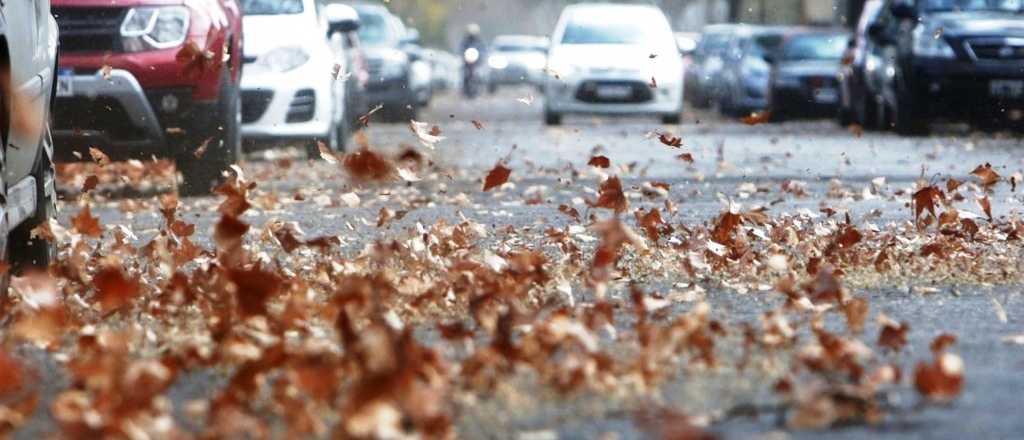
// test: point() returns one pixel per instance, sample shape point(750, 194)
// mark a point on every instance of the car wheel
point(201, 175)
point(906, 119)
point(672, 119)
point(551, 118)
point(28, 253)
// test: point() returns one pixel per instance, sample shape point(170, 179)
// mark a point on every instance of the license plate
point(826, 96)
point(1006, 88)
point(65, 82)
point(614, 92)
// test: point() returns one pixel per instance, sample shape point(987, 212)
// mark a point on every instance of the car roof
point(611, 8)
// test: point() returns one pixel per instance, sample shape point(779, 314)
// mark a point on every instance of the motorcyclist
point(474, 52)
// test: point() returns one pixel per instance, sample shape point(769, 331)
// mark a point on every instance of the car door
point(28, 30)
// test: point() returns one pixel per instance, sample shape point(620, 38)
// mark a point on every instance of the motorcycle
point(471, 77)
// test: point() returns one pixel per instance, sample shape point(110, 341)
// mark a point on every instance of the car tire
point(907, 121)
point(200, 176)
point(27, 253)
point(672, 119)
point(552, 119)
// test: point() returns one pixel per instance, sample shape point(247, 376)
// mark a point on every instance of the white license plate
point(1006, 88)
point(614, 92)
point(65, 83)
point(826, 96)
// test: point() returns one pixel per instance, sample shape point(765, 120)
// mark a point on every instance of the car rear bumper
point(801, 101)
point(582, 96)
point(117, 115)
point(390, 93)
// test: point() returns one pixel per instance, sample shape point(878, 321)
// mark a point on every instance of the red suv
point(151, 78)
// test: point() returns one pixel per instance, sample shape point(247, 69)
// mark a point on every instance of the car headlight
point(931, 44)
point(561, 69)
point(149, 28)
point(284, 59)
point(497, 62)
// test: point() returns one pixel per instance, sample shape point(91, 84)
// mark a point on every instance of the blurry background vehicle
point(860, 75)
point(804, 78)
point(517, 59)
point(954, 59)
point(288, 90)
point(385, 42)
point(421, 76)
point(601, 62)
point(701, 78)
point(746, 70)
point(27, 65)
point(135, 81)
point(445, 69)
point(687, 43)
point(342, 27)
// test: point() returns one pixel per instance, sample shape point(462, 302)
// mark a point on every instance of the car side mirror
point(903, 9)
point(343, 26)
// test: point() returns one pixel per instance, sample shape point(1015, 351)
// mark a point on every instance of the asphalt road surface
point(731, 161)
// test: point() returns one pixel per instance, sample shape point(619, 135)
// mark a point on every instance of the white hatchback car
point(292, 88)
point(613, 59)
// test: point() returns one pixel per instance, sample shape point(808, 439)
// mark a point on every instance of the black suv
point(954, 59)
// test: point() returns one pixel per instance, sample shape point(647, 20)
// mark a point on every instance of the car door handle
point(33, 88)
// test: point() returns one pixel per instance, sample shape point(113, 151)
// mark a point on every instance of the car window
point(271, 7)
point(607, 29)
point(814, 47)
point(973, 5)
point(762, 45)
point(375, 30)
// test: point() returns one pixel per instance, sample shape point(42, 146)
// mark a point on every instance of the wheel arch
point(5, 86)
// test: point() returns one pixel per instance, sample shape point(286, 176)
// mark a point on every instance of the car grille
point(255, 104)
point(997, 49)
point(639, 92)
point(374, 67)
point(84, 29)
point(303, 106)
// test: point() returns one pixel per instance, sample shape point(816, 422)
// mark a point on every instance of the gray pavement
point(866, 175)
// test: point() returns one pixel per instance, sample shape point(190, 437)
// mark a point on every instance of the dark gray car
point(805, 71)
point(744, 77)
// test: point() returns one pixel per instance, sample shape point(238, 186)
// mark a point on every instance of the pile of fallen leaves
point(399, 335)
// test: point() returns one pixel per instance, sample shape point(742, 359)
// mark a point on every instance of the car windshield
point(606, 29)
point(814, 47)
point(271, 7)
point(973, 5)
point(374, 30)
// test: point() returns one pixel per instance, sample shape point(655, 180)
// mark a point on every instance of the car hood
point(808, 68)
point(611, 56)
point(263, 32)
point(976, 23)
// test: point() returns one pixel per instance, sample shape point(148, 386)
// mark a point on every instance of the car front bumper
point(581, 95)
point(389, 92)
point(291, 105)
point(965, 89)
point(115, 114)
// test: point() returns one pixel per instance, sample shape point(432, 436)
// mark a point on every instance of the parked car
point(421, 75)
point(954, 59)
point(445, 69)
point(148, 78)
point(343, 28)
point(687, 43)
point(27, 65)
point(601, 62)
point(516, 60)
point(744, 77)
point(861, 75)
point(288, 90)
point(804, 78)
point(385, 38)
point(702, 76)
